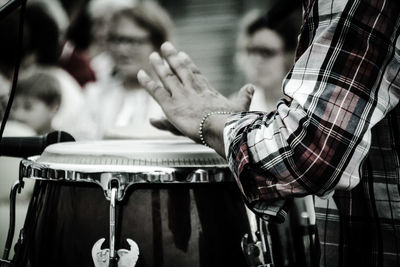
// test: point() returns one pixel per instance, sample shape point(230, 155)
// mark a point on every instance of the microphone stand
point(18, 185)
point(6, 9)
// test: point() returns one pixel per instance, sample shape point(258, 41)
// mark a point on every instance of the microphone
point(23, 147)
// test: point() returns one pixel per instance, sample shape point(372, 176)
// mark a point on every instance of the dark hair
point(287, 27)
point(41, 85)
point(43, 34)
point(8, 43)
point(151, 17)
point(79, 31)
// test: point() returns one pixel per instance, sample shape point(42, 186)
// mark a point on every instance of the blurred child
point(37, 100)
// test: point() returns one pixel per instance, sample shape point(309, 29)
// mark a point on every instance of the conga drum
point(132, 203)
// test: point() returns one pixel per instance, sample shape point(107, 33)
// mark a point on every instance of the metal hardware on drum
point(112, 223)
point(111, 257)
point(67, 174)
point(126, 176)
point(256, 247)
point(115, 185)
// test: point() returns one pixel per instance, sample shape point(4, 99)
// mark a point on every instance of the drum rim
point(125, 176)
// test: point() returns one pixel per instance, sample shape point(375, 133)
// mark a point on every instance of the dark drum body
point(132, 203)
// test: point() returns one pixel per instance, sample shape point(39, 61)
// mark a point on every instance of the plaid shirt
point(337, 138)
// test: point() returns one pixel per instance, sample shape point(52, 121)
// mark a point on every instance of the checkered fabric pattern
point(339, 135)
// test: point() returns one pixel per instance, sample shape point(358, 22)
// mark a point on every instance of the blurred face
point(265, 59)
point(130, 47)
point(99, 33)
point(33, 112)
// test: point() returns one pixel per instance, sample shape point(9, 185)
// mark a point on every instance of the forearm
point(317, 142)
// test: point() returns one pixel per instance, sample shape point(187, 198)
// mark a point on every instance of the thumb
point(244, 96)
point(165, 125)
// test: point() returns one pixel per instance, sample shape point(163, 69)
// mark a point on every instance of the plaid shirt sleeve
point(316, 143)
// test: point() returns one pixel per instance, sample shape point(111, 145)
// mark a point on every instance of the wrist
point(211, 130)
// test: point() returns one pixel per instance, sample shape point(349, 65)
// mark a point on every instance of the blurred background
point(207, 31)
point(67, 83)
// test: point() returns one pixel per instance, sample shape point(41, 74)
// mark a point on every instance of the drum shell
point(173, 224)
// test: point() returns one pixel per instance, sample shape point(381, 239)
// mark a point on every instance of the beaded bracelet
point(203, 120)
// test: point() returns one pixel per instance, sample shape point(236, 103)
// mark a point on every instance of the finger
point(199, 78)
point(244, 96)
point(164, 73)
point(185, 69)
point(179, 62)
point(189, 63)
point(196, 80)
point(165, 125)
point(159, 92)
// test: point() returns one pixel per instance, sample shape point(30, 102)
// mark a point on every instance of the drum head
point(163, 153)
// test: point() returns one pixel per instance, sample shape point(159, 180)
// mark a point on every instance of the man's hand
point(186, 96)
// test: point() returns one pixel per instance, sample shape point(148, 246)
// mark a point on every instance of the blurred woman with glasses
point(119, 105)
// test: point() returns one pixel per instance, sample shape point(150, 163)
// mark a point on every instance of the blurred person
point(84, 53)
point(57, 12)
point(74, 57)
point(73, 7)
point(100, 13)
point(37, 100)
point(40, 50)
point(119, 104)
point(42, 54)
point(8, 55)
point(73, 36)
point(123, 109)
point(265, 52)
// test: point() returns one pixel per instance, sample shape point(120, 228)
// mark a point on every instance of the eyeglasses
point(127, 40)
point(263, 52)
